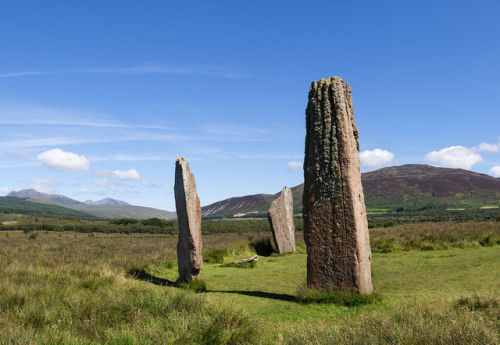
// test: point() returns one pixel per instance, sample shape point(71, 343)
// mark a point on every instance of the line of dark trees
point(240, 225)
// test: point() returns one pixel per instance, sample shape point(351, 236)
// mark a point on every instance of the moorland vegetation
point(435, 283)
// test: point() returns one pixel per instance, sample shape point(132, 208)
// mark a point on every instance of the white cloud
point(61, 160)
point(130, 175)
point(376, 158)
point(105, 182)
point(46, 182)
point(495, 171)
point(87, 191)
point(295, 165)
point(100, 181)
point(43, 185)
point(4, 190)
point(454, 157)
point(487, 147)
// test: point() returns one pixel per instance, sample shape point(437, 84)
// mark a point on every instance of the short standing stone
point(281, 220)
point(187, 203)
point(335, 224)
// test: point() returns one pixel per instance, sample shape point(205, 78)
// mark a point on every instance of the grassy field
point(438, 283)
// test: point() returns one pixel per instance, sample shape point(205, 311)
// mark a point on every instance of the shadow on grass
point(307, 296)
point(261, 294)
point(196, 285)
point(141, 274)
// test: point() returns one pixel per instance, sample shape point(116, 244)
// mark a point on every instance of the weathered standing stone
point(335, 224)
point(187, 204)
point(280, 217)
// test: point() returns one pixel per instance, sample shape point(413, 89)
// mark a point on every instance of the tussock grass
point(217, 255)
point(196, 285)
point(418, 324)
point(345, 298)
point(481, 303)
point(228, 254)
point(433, 236)
point(242, 264)
point(67, 290)
point(262, 246)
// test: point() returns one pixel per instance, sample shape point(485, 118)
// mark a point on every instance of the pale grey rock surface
point(187, 203)
point(280, 217)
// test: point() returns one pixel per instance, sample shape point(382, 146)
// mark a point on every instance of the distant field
point(73, 288)
point(371, 211)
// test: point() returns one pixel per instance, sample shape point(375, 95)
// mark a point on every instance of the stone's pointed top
point(181, 163)
point(328, 81)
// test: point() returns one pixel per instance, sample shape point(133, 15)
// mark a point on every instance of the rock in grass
point(249, 260)
point(280, 217)
point(335, 224)
point(187, 203)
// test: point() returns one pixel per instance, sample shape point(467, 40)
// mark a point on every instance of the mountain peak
point(33, 194)
point(411, 186)
point(106, 201)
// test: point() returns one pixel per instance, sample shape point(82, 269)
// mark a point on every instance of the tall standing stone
point(187, 204)
point(335, 224)
point(280, 217)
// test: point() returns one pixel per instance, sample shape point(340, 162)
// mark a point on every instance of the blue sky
point(99, 98)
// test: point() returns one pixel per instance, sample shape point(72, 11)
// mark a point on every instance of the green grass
point(242, 264)
point(371, 211)
point(349, 299)
point(70, 288)
point(196, 285)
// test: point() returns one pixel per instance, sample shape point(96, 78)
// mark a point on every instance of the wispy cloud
point(18, 153)
point(233, 129)
point(130, 175)
point(487, 147)
point(295, 165)
point(43, 185)
point(16, 165)
point(88, 191)
point(39, 115)
point(56, 141)
point(216, 71)
point(131, 158)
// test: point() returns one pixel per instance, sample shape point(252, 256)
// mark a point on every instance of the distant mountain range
point(411, 187)
point(106, 201)
point(105, 208)
point(38, 208)
point(55, 198)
